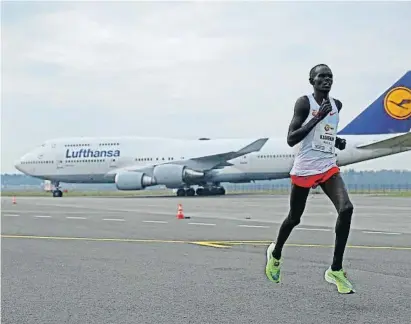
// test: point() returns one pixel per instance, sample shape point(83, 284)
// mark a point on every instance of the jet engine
point(170, 175)
point(132, 180)
point(174, 175)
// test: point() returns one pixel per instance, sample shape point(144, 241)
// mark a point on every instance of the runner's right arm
point(297, 132)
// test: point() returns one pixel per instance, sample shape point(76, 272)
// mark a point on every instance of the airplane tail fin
point(389, 114)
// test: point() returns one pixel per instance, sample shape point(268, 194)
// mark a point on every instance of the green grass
point(393, 193)
point(170, 192)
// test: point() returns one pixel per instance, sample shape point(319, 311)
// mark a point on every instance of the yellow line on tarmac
point(216, 244)
point(264, 243)
point(241, 242)
point(211, 244)
point(404, 248)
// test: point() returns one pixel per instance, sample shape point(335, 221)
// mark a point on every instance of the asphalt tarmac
point(130, 260)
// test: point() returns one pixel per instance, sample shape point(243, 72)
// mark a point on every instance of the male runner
point(314, 127)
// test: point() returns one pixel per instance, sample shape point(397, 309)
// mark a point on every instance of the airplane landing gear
point(185, 192)
point(57, 192)
point(210, 191)
point(201, 191)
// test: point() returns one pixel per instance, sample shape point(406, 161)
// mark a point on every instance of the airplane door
point(245, 163)
point(59, 158)
point(59, 164)
point(244, 166)
point(245, 160)
point(113, 163)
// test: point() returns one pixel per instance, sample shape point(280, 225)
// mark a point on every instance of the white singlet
point(315, 154)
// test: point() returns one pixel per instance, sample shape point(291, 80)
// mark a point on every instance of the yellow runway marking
point(212, 244)
point(216, 244)
point(265, 243)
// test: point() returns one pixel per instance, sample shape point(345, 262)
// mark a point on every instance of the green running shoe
point(273, 266)
point(339, 278)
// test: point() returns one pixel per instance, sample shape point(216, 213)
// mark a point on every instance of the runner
point(314, 127)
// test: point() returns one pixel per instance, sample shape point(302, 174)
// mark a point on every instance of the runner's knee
point(346, 210)
point(294, 217)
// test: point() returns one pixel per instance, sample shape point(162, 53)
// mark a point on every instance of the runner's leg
point(298, 200)
point(335, 189)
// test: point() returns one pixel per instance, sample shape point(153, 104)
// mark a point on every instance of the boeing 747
point(135, 163)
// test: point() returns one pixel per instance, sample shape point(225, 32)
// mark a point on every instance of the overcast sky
point(189, 69)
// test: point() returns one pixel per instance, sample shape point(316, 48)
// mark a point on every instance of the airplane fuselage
point(94, 160)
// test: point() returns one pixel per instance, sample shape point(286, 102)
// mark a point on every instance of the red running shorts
point(314, 180)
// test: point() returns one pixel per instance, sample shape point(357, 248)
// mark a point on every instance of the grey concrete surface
point(138, 264)
point(371, 213)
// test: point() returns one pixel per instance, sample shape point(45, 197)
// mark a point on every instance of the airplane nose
point(17, 165)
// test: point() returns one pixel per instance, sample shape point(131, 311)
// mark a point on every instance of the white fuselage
point(70, 160)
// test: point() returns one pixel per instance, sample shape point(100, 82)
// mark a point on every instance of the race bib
point(324, 137)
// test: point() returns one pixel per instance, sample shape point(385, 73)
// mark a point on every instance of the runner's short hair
point(311, 76)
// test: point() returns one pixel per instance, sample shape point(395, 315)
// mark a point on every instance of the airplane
point(136, 163)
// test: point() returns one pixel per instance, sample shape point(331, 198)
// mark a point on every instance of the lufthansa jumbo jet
point(135, 163)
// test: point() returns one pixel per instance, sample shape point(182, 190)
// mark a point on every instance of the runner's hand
point(324, 110)
point(340, 143)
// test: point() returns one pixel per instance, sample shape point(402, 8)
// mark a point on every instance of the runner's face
point(323, 79)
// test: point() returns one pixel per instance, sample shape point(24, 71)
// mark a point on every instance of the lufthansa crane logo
point(397, 103)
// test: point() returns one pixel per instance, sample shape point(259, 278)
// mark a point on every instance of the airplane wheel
point(57, 193)
point(221, 191)
point(212, 191)
point(206, 192)
point(190, 192)
point(181, 192)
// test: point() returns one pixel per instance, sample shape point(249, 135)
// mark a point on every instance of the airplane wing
point(203, 163)
point(403, 141)
point(221, 160)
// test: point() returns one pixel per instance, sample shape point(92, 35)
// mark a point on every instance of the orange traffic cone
point(14, 200)
point(180, 214)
